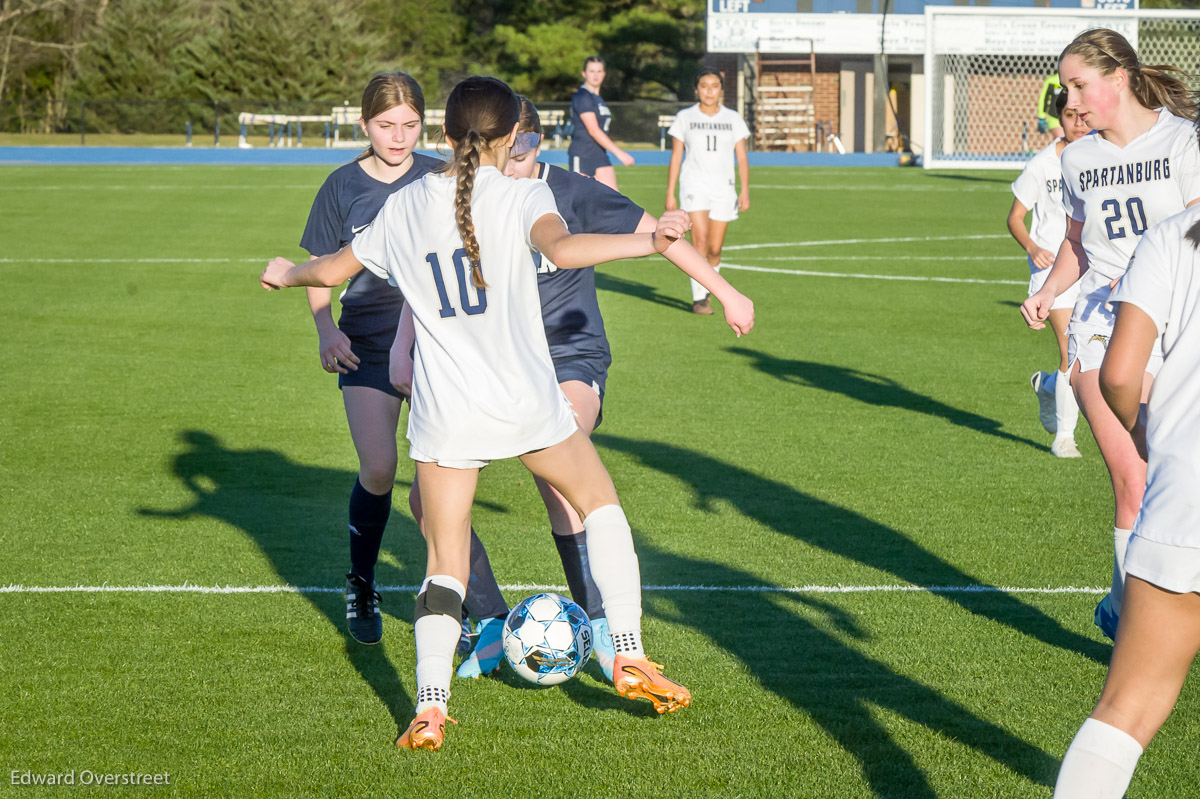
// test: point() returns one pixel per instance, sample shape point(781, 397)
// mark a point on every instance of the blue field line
point(191, 588)
point(259, 156)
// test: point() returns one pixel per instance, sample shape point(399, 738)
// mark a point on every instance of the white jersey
point(1039, 188)
point(709, 143)
point(484, 386)
point(1164, 281)
point(1119, 193)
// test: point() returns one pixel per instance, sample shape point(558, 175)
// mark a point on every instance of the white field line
point(1012, 258)
point(189, 588)
point(860, 276)
point(888, 240)
point(178, 187)
point(263, 259)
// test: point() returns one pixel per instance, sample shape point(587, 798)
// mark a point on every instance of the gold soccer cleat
point(638, 678)
point(425, 731)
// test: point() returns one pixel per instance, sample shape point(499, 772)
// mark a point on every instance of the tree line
point(287, 51)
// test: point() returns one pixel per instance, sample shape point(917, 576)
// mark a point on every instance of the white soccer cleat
point(1065, 448)
point(1045, 400)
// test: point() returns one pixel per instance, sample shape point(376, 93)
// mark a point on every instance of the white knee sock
point(1066, 410)
point(1098, 764)
point(698, 291)
point(615, 571)
point(437, 636)
point(1120, 544)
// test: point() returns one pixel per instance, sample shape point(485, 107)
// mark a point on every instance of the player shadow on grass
point(847, 534)
point(641, 291)
point(874, 390)
point(295, 513)
point(779, 639)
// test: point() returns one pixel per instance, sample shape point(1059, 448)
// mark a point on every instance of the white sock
point(1098, 764)
point(698, 291)
point(1066, 410)
point(1120, 544)
point(614, 566)
point(437, 636)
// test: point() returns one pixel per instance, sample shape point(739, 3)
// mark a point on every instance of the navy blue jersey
point(570, 311)
point(582, 143)
point(347, 202)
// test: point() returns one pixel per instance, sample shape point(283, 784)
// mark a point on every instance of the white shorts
point(417, 455)
point(1089, 349)
point(1037, 279)
point(1169, 567)
point(721, 202)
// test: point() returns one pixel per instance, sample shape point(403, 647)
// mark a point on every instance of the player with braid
point(581, 355)
point(1141, 168)
point(458, 245)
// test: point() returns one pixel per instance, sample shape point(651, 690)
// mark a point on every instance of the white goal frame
point(1026, 42)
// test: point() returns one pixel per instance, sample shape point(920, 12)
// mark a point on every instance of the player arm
point(743, 167)
point(592, 125)
point(400, 362)
point(1125, 359)
point(333, 346)
point(739, 310)
point(567, 251)
point(327, 270)
point(673, 173)
point(1071, 261)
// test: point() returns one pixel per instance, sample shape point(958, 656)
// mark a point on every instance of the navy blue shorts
point(593, 374)
point(372, 371)
point(587, 163)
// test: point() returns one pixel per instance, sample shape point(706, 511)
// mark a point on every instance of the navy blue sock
point(572, 550)
point(368, 518)
point(484, 599)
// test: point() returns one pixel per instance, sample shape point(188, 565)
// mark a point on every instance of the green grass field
point(165, 422)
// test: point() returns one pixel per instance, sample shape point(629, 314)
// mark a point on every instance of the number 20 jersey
point(1119, 193)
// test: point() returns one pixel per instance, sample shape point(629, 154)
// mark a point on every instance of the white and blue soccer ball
point(547, 638)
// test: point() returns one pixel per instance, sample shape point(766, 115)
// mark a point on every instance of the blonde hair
point(1153, 86)
point(385, 91)
point(479, 111)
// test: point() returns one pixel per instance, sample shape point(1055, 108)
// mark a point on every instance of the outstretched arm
point(567, 251)
point(592, 125)
point(739, 310)
point(328, 270)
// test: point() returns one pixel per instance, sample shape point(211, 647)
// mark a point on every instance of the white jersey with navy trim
point(1119, 193)
point(1039, 188)
point(709, 143)
point(1164, 281)
point(484, 387)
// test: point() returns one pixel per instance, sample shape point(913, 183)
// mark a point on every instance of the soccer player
point(356, 347)
point(1049, 115)
point(712, 135)
point(1039, 189)
point(458, 246)
point(581, 356)
point(1159, 634)
point(590, 118)
point(1142, 167)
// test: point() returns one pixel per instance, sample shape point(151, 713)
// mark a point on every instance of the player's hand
point(625, 158)
point(275, 275)
point(671, 204)
point(400, 370)
point(739, 312)
point(336, 355)
point(1042, 259)
point(671, 226)
point(744, 201)
point(1035, 309)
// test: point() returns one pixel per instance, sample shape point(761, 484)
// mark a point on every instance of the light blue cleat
point(1106, 619)
point(489, 649)
point(602, 647)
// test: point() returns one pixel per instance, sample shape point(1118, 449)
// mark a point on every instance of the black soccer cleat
point(362, 610)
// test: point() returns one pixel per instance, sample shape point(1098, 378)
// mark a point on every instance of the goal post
point(985, 66)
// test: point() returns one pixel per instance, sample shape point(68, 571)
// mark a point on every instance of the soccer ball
point(547, 638)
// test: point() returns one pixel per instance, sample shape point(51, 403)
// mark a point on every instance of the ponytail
point(466, 162)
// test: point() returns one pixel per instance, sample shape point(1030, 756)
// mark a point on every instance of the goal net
point(984, 70)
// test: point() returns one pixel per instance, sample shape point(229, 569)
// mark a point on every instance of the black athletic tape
point(438, 600)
